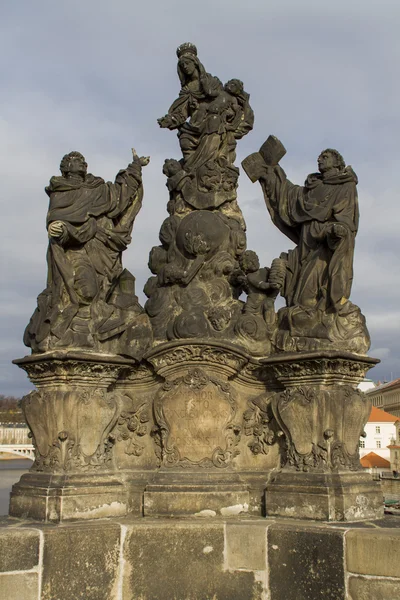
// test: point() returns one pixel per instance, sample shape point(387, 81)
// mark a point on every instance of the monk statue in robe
point(89, 301)
point(321, 218)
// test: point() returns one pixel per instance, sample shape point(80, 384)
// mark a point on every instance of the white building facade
point(394, 449)
point(380, 432)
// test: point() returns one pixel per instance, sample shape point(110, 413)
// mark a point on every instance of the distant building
point(14, 433)
point(380, 431)
point(394, 449)
point(375, 463)
point(387, 397)
point(366, 385)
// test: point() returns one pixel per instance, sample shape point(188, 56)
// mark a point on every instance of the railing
point(22, 450)
point(387, 475)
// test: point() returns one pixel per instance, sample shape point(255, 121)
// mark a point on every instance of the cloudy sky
point(94, 75)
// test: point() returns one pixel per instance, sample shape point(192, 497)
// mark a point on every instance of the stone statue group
point(187, 405)
point(202, 267)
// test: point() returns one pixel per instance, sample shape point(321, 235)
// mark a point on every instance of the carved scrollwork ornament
point(322, 427)
point(195, 422)
point(89, 415)
point(257, 424)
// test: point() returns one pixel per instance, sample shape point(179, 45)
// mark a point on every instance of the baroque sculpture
point(198, 269)
point(321, 218)
point(206, 400)
point(90, 301)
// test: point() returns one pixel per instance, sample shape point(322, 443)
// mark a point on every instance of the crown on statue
point(186, 48)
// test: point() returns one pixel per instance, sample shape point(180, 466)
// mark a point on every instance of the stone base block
point(57, 498)
point(200, 559)
point(324, 496)
point(195, 501)
point(173, 494)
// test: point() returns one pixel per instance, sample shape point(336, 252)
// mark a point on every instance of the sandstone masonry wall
point(200, 559)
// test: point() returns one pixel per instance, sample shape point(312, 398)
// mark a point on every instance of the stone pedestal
point(322, 415)
point(134, 453)
point(197, 493)
point(215, 435)
point(198, 429)
point(324, 496)
point(71, 417)
point(59, 498)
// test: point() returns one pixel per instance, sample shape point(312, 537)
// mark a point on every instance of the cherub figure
point(179, 184)
point(256, 282)
point(219, 317)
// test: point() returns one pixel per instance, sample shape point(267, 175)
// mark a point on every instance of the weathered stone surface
point(76, 419)
point(324, 496)
point(19, 549)
point(321, 416)
point(207, 432)
point(81, 562)
point(246, 546)
point(19, 586)
point(90, 299)
point(202, 266)
point(184, 561)
point(322, 426)
point(321, 218)
point(55, 498)
point(373, 552)
point(197, 417)
point(362, 588)
point(72, 414)
point(193, 403)
point(196, 501)
point(305, 564)
point(208, 559)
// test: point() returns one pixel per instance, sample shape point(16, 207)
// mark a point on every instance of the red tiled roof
point(381, 416)
point(374, 460)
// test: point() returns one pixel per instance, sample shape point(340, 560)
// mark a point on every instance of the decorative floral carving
point(132, 425)
point(256, 423)
point(304, 395)
point(77, 460)
point(341, 458)
point(53, 370)
point(198, 353)
point(303, 462)
point(354, 370)
point(196, 379)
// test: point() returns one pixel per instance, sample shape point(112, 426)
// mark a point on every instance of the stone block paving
point(199, 559)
